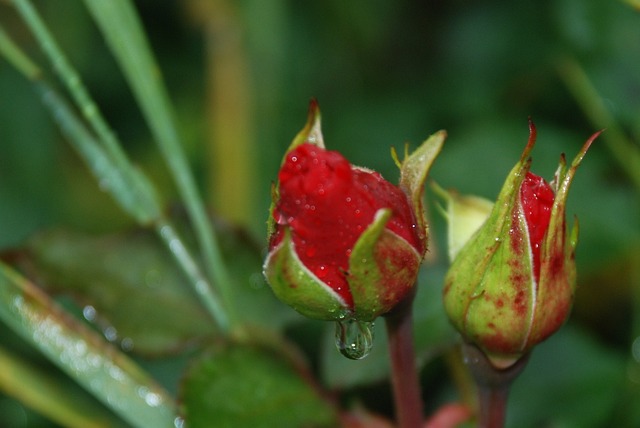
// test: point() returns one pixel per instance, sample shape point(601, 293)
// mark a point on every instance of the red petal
point(327, 203)
point(536, 197)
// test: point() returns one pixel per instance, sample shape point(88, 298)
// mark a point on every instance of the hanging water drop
point(354, 339)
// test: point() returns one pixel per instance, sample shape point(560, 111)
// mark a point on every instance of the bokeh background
point(241, 74)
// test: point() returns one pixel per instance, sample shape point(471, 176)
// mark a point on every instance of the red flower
point(328, 203)
point(511, 284)
point(344, 241)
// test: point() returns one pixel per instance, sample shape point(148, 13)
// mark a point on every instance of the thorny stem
point(493, 385)
point(404, 373)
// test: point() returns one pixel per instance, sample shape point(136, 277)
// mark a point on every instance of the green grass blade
point(58, 401)
point(120, 24)
point(16, 57)
point(72, 81)
point(134, 193)
point(108, 374)
point(131, 189)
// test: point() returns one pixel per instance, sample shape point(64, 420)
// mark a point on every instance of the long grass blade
point(58, 401)
point(104, 155)
point(79, 351)
point(121, 26)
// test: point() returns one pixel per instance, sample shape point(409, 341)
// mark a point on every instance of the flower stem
point(404, 373)
point(493, 385)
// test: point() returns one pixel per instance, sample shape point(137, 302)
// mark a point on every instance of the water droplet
point(635, 349)
point(127, 344)
point(354, 339)
point(110, 333)
point(311, 251)
point(178, 422)
point(321, 272)
point(89, 313)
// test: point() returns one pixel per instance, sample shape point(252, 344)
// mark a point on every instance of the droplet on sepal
point(354, 339)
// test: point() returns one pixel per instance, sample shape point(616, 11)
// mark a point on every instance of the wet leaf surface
point(242, 386)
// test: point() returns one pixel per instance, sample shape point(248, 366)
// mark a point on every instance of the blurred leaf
point(59, 401)
point(256, 302)
point(242, 386)
point(570, 381)
point(109, 375)
point(128, 283)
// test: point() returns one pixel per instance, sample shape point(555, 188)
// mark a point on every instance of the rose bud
point(511, 284)
point(344, 242)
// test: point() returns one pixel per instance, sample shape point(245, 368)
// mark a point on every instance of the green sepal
point(298, 287)
point(413, 173)
point(558, 269)
point(311, 133)
point(479, 295)
point(383, 268)
point(465, 214)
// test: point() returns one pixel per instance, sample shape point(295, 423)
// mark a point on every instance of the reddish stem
point(493, 385)
point(404, 373)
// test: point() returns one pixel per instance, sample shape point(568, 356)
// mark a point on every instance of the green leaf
point(128, 283)
point(570, 381)
point(106, 373)
point(245, 386)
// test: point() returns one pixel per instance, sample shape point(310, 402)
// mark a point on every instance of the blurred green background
point(241, 74)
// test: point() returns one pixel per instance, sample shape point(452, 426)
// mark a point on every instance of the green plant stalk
point(229, 105)
point(108, 162)
point(17, 58)
point(129, 187)
point(169, 235)
point(82, 353)
point(624, 151)
point(72, 81)
point(137, 197)
point(38, 389)
point(120, 24)
point(404, 372)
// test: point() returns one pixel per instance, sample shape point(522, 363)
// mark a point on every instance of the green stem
point(106, 146)
point(404, 372)
point(72, 81)
point(626, 153)
point(123, 31)
point(493, 385)
point(196, 277)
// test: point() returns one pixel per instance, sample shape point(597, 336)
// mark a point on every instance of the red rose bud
point(343, 241)
point(511, 284)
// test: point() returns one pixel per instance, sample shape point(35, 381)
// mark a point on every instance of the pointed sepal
point(294, 284)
